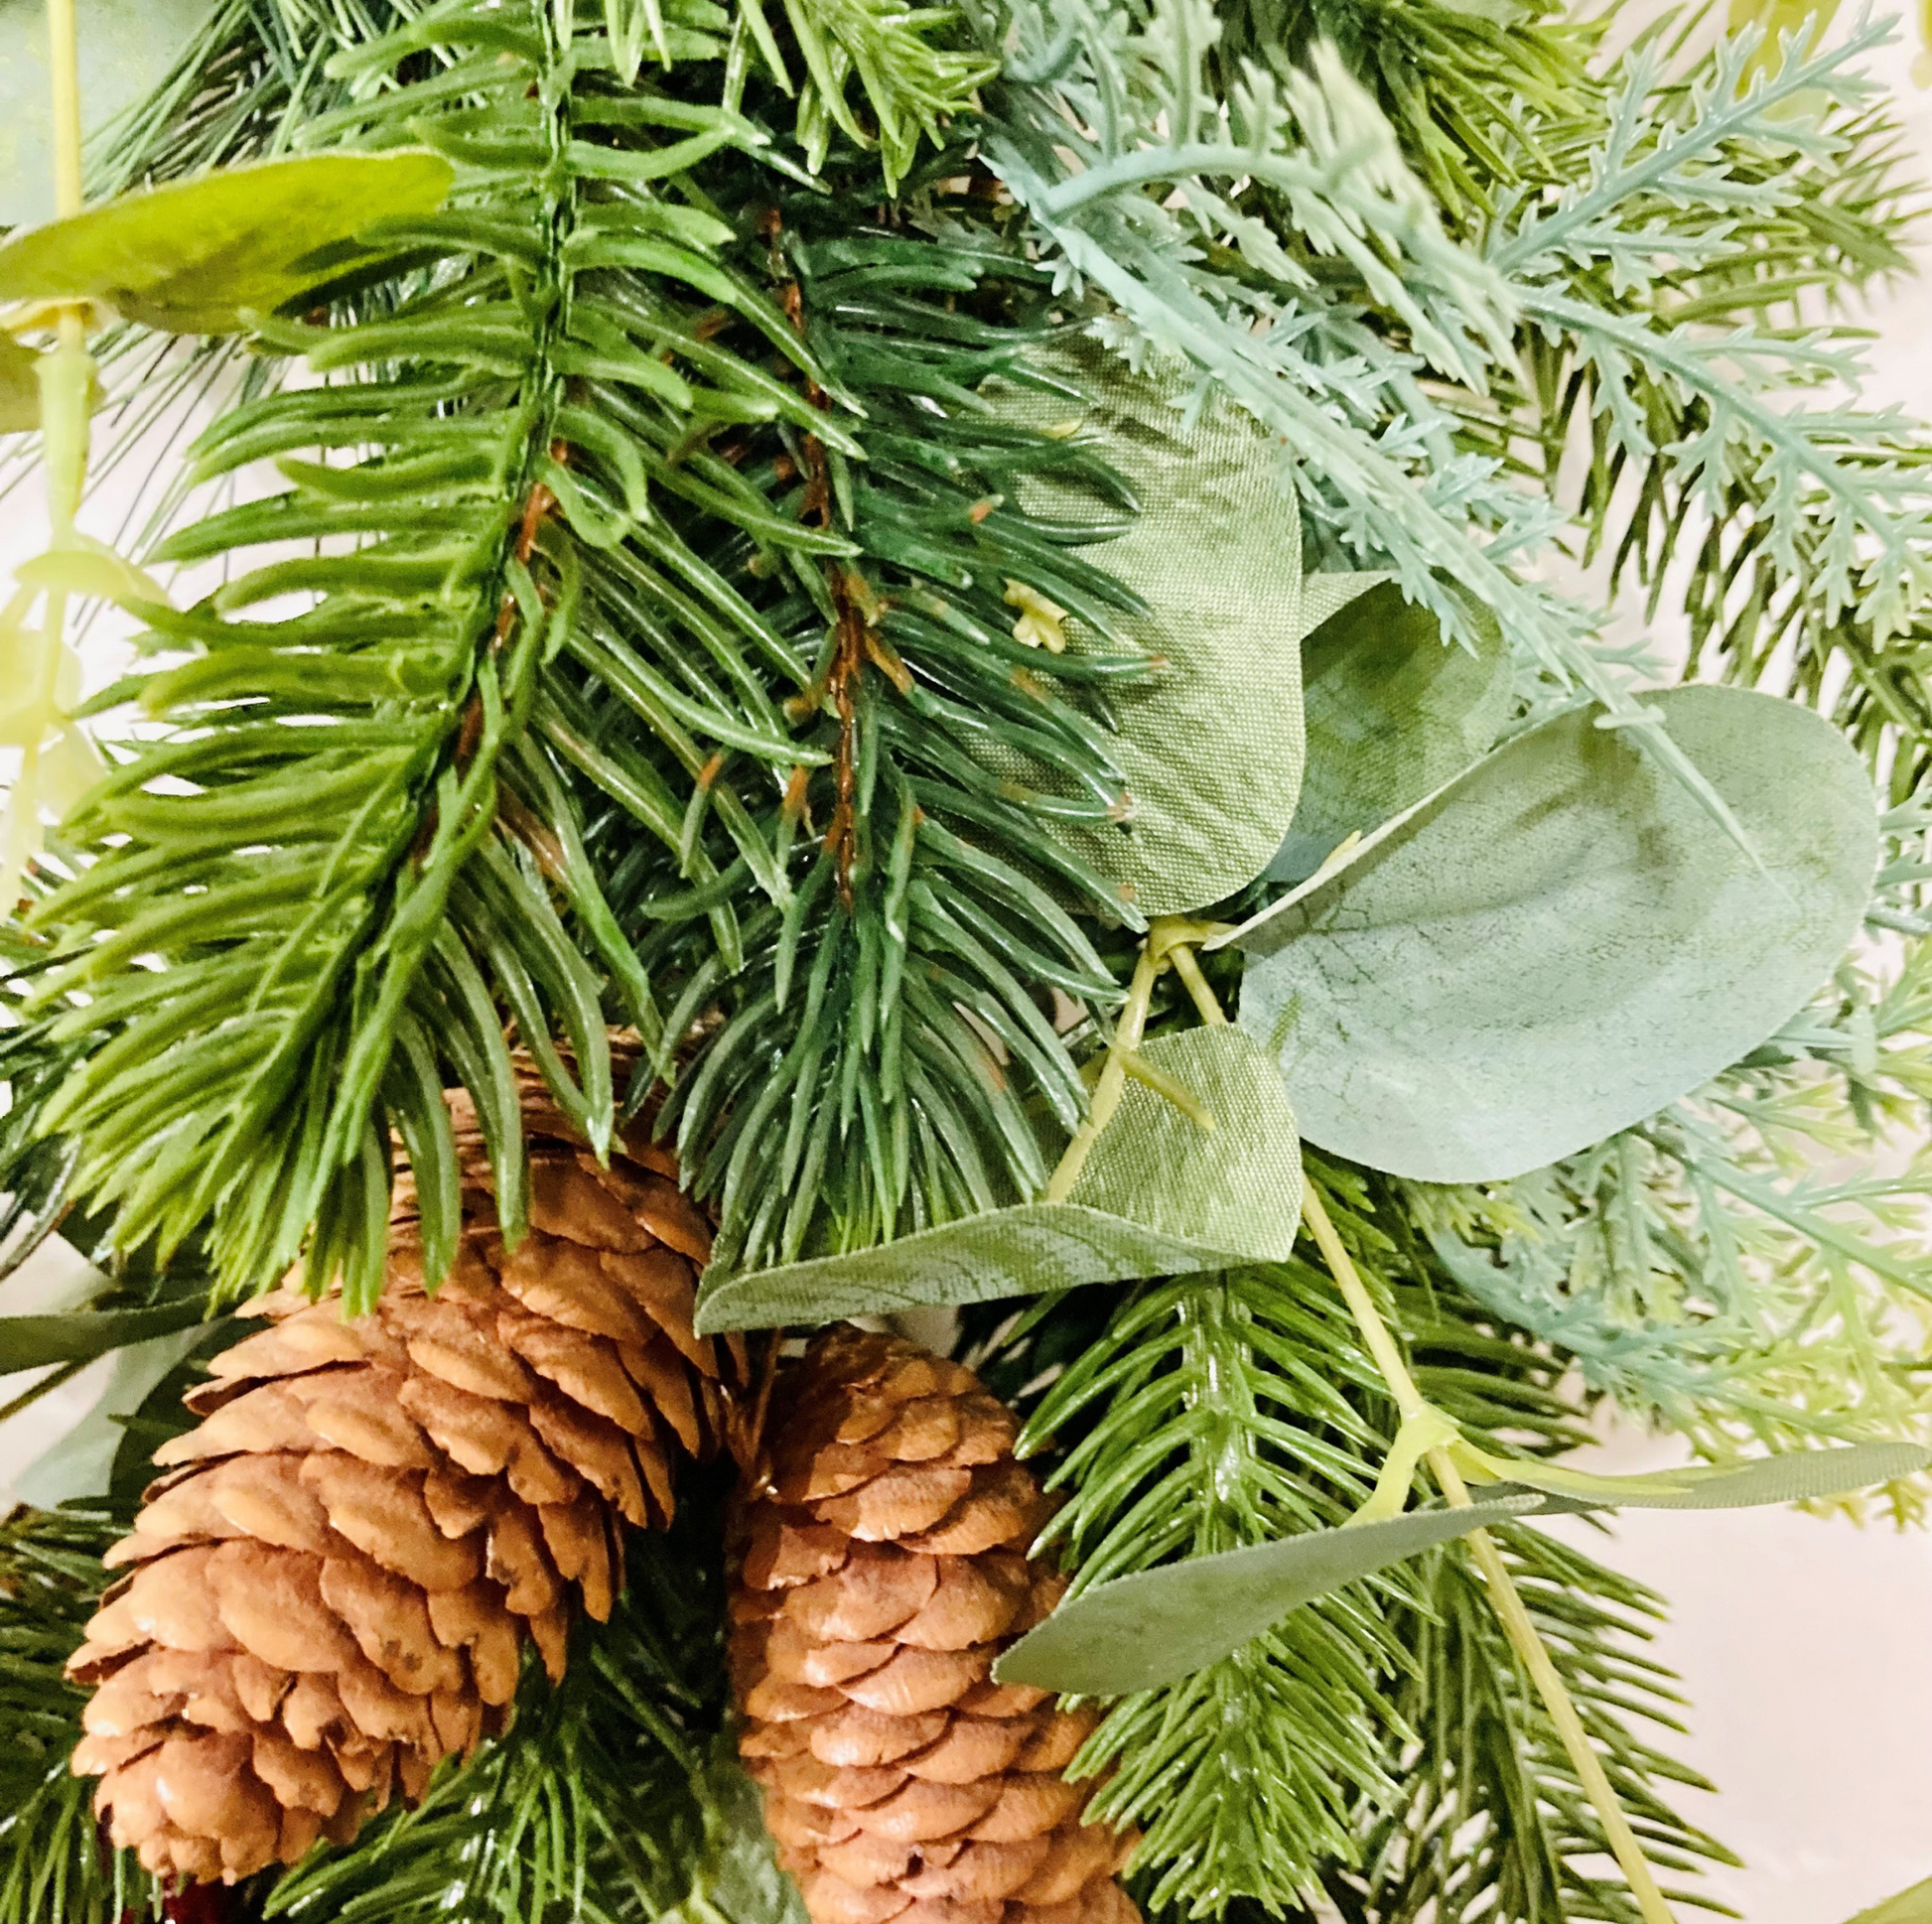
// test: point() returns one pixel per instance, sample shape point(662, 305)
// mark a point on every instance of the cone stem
point(1505, 1597)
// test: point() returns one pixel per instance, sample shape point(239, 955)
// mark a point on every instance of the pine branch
point(911, 86)
point(377, 871)
point(51, 1863)
point(882, 1042)
point(1211, 1413)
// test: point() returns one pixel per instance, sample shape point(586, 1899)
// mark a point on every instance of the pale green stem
point(1166, 944)
point(1189, 969)
point(1505, 1597)
point(64, 40)
point(1168, 1088)
point(66, 378)
point(1113, 1077)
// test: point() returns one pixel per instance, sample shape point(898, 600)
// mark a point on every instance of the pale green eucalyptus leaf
point(81, 1461)
point(195, 256)
point(1790, 1476)
point(1562, 940)
point(1913, 1906)
point(1394, 711)
point(1160, 1195)
point(80, 1335)
point(1212, 743)
point(20, 386)
point(1141, 1631)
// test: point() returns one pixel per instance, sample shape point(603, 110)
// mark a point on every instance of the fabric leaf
point(1560, 941)
point(1156, 1625)
point(33, 1343)
point(1395, 709)
point(20, 387)
point(1790, 1476)
point(193, 256)
point(1160, 1195)
point(1210, 745)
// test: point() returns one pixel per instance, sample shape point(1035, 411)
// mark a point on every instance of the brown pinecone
point(335, 1578)
point(884, 1569)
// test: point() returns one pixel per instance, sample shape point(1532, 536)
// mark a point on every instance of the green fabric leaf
point(1150, 1628)
point(126, 50)
point(1211, 747)
point(1913, 1906)
point(1562, 940)
point(33, 1343)
point(1790, 1476)
point(1394, 711)
point(191, 257)
point(20, 386)
point(1158, 1196)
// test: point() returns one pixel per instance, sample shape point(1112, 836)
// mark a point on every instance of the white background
point(1806, 1646)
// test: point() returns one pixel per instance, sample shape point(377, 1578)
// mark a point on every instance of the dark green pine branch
point(53, 1866)
point(877, 1053)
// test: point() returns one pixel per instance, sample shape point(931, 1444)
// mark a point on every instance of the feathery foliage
point(1708, 1271)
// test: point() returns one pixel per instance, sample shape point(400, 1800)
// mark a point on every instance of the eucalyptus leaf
point(1210, 745)
point(20, 386)
point(195, 256)
point(1562, 940)
point(1913, 1906)
point(1140, 1631)
point(1393, 712)
point(80, 1335)
point(127, 48)
point(1158, 1196)
point(1791, 1476)
point(735, 1878)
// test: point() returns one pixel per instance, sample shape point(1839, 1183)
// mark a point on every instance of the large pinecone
point(883, 1568)
point(334, 1581)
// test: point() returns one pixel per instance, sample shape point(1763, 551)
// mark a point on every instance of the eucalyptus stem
point(1169, 944)
point(1108, 1090)
point(1411, 1405)
point(64, 37)
point(1504, 1597)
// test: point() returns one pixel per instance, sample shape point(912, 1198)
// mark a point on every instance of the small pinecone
point(884, 1569)
point(335, 1580)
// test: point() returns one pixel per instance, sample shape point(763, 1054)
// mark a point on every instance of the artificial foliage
point(793, 661)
